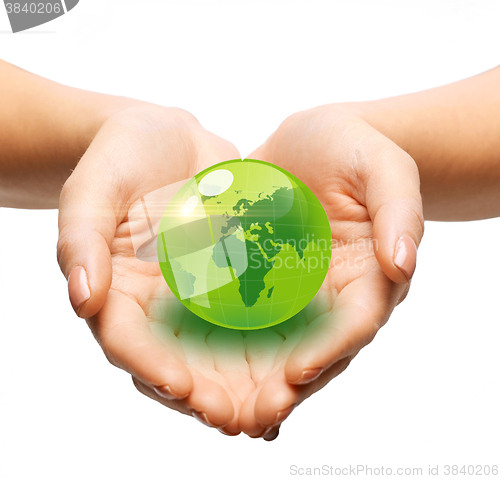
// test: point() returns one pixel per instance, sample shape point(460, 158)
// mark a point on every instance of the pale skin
point(368, 163)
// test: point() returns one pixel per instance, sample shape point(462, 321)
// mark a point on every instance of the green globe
point(244, 244)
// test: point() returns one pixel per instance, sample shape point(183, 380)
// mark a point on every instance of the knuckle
point(371, 332)
point(108, 354)
point(138, 385)
point(111, 359)
point(404, 293)
point(413, 208)
point(344, 363)
point(62, 247)
point(112, 353)
point(184, 115)
point(66, 190)
point(109, 350)
point(104, 338)
point(296, 120)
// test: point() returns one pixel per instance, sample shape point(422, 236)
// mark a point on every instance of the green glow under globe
point(244, 244)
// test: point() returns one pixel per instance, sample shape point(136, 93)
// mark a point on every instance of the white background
point(426, 391)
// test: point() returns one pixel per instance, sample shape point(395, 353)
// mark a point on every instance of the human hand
point(370, 190)
point(137, 150)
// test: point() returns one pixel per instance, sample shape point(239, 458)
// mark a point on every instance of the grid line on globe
point(244, 244)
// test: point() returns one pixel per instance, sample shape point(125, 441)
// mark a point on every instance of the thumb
point(87, 225)
point(259, 154)
point(395, 207)
point(263, 151)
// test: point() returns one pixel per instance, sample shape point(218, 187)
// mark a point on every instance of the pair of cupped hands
point(238, 381)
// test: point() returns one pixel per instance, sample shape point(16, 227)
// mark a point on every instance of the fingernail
point(202, 417)
point(271, 434)
point(222, 431)
point(78, 288)
point(280, 417)
point(166, 392)
point(405, 256)
point(309, 375)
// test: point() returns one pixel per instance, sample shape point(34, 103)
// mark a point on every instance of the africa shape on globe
point(244, 244)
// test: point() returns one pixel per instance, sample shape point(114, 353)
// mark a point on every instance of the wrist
point(388, 118)
point(45, 128)
point(442, 135)
point(84, 115)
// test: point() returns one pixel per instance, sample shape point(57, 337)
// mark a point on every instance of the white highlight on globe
point(215, 182)
point(190, 204)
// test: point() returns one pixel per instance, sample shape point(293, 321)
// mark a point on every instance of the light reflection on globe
point(244, 244)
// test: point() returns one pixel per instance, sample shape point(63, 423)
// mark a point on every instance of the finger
point(232, 428)
point(262, 347)
point(263, 151)
point(358, 312)
point(277, 398)
point(272, 434)
point(259, 153)
point(201, 344)
point(395, 207)
point(212, 150)
point(87, 225)
point(179, 405)
point(247, 422)
point(229, 358)
point(207, 402)
point(122, 330)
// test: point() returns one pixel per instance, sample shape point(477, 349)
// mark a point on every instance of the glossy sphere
point(244, 244)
